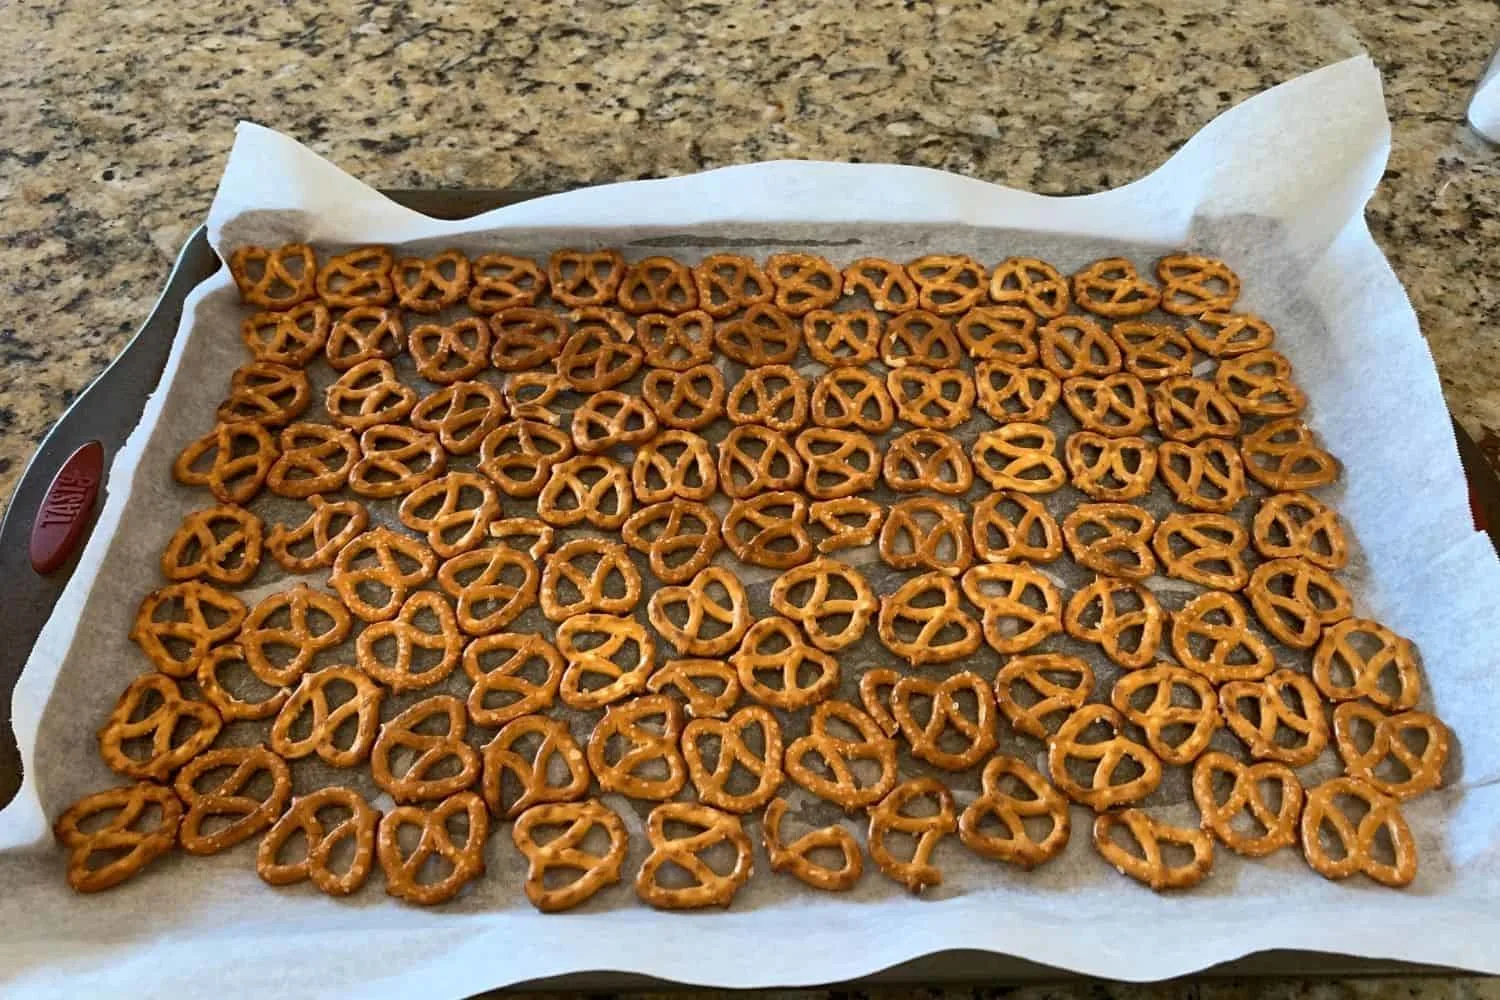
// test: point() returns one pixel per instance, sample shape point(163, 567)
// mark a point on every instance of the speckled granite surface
point(115, 119)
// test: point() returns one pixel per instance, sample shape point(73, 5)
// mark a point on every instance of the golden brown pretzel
point(755, 459)
point(609, 418)
point(229, 704)
point(1411, 771)
point(920, 338)
point(1123, 617)
point(676, 343)
point(1357, 835)
point(761, 335)
point(522, 338)
point(566, 851)
point(677, 537)
point(1232, 334)
point(431, 284)
point(450, 353)
point(396, 459)
point(998, 333)
point(519, 456)
point(1010, 526)
point(526, 535)
point(1030, 282)
point(674, 464)
point(824, 589)
point(839, 463)
point(1189, 409)
point(240, 456)
point(924, 459)
point(1115, 405)
point(513, 675)
point(795, 859)
point(315, 621)
point(888, 816)
point(803, 282)
point(230, 796)
point(584, 277)
point(1193, 285)
point(1021, 605)
point(1206, 476)
point(408, 633)
point(842, 339)
point(709, 888)
point(327, 722)
point(1284, 455)
point(221, 544)
point(356, 823)
point(315, 458)
point(852, 399)
point(1297, 526)
point(947, 713)
point(1039, 674)
point(360, 277)
point(384, 559)
point(1110, 468)
point(1027, 795)
point(403, 872)
point(502, 282)
point(1212, 636)
point(875, 688)
point(642, 745)
point(849, 521)
point(921, 632)
point(712, 784)
point(1176, 732)
point(1150, 866)
point(369, 394)
point(729, 282)
point(619, 650)
point(1260, 383)
point(266, 393)
point(404, 734)
point(492, 586)
point(454, 511)
point(926, 533)
point(462, 415)
point(773, 645)
point(1285, 702)
point(120, 846)
point(885, 283)
point(1294, 600)
point(1153, 351)
point(1076, 346)
point(1112, 287)
point(1100, 791)
point(1274, 828)
point(598, 356)
point(1009, 392)
point(708, 625)
point(598, 571)
point(939, 399)
point(274, 279)
point(365, 333)
point(1206, 549)
point(836, 780)
point(190, 614)
point(689, 400)
point(153, 709)
point(1361, 658)
point(292, 338)
point(1112, 538)
point(773, 395)
point(586, 489)
point(533, 769)
point(948, 284)
point(688, 677)
point(659, 285)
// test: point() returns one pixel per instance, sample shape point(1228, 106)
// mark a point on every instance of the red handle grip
point(65, 510)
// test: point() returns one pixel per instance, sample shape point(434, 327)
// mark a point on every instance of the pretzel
point(221, 544)
point(533, 771)
point(948, 284)
point(754, 459)
point(687, 677)
point(125, 844)
point(1010, 526)
point(677, 537)
point(520, 455)
point(1390, 762)
point(1010, 393)
point(365, 333)
point(190, 614)
point(712, 784)
point(1115, 405)
point(772, 395)
point(400, 563)
point(1194, 285)
point(1260, 383)
point(492, 586)
point(593, 646)
point(709, 888)
point(795, 858)
point(292, 338)
point(1232, 334)
point(454, 511)
point(566, 851)
point(597, 357)
point(404, 734)
point(312, 694)
point(1176, 732)
point(240, 457)
point(230, 706)
point(586, 489)
point(830, 515)
point(360, 277)
point(1357, 834)
point(464, 863)
point(314, 458)
point(728, 282)
point(773, 645)
point(1294, 600)
point(230, 796)
point(1027, 796)
point(852, 399)
point(452, 353)
point(836, 779)
point(1027, 609)
point(502, 282)
point(1190, 409)
point(1361, 658)
point(803, 282)
point(510, 676)
point(516, 532)
point(1272, 829)
point(920, 338)
point(1111, 538)
point(315, 621)
point(1298, 526)
point(462, 415)
point(887, 817)
point(659, 285)
point(937, 399)
point(1283, 455)
point(1030, 282)
point(888, 285)
point(596, 587)
point(1211, 635)
point(769, 530)
point(1110, 468)
point(876, 686)
point(1153, 351)
point(824, 589)
point(689, 400)
point(367, 395)
point(1036, 674)
point(153, 708)
point(432, 284)
point(1101, 792)
point(265, 393)
point(674, 464)
point(302, 817)
point(1147, 862)
point(274, 279)
point(998, 333)
point(842, 339)
point(642, 745)
point(676, 343)
point(930, 460)
point(1286, 702)
point(947, 713)
point(696, 636)
point(396, 459)
point(407, 635)
point(1206, 549)
point(926, 533)
point(761, 335)
point(1206, 476)
point(943, 632)
point(1129, 620)
point(1074, 346)
point(839, 463)
point(585, 278)
point(608, 419)
point(1112, 287)
point(523, 337)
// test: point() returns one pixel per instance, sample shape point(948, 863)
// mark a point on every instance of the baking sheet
point(1276, 186)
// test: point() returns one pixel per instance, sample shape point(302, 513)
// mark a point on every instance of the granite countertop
point(115, 122)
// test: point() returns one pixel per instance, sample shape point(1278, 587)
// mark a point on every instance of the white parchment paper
point(1276, 186)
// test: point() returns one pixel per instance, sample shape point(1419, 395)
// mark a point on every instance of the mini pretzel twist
point(1151, 867)
point(1013, 527)
point(1110, 468)
point(533, 771)
point(315, 458)
point(1193, 285)
point(491, 586)
point(274, 279)
point(502, 282)
point(1285, 702)
point(407, 634)
point(729, 282)
point(1190, 409)
point(585, 278)
point(431, 284)
point(1294, 600)
point(598, 571)
point(849, 521)
point(221, 544)
point(365, 333)
point(1115, 405)
point(921, 338)
point(454, 511)
point(369, 394)
point(889, 816)
point(1206, 549)
point(686, 401)
point(452, 353)
point(1211, 635)
point(1163, 716)
point(1123, 617)
point(1260, 383)
point(315, 621)
point(1101, 791)
point(674, 464)
point(1411, 772)
point(512, 676)
point(852, 399)
point(1247, 797)
point(842, 339)
point(266, 393)
point(360, 277)
point(1112, 287)
point(948, 284)
point(1076, 346)
point(527, 535)
point(761, 335)
point(1206, 476)
point(230, 796)
point(1357, 834)
point(464, 863)
point(836, 779)
point(404, 733)
point(1229, 334)
point(462, 415)
point(1111, 538)
point(1027, 795)
point(947, 714)
point(1039, 674)
point(313, 695)
point(240, 456)
point(566, 851)
point(519, 456)
point(322, 840)
point(930, 460)
point(943, 631)
point(824, 589)
point(658, 284)
point(597, 356)
point(774, 646)
point(803, 282)
point(190, 614)
point(1284, 455)
point(586, 489)
point(773, 395)
point(998, 333)
point(676, 343)
point(523, 338)
point(292, 338)
point(677, 537)
point(709, 888)
point(608, 658)
point(938, 399)
point(1026, 609)
point(838, 463)
point(687, 676)
point(384, 559)
point(1361, 658)
point(642, 745)
point(755, 459)
point(795, 858)
point(1033, 283)
point(888, 285)
point(926, 533)
point(710, 625)
point(608, 419)
point(1297, 526)
point(712, 784)
point(396, 459)
point(153, 709)
point(1154, 351)
point(124, 845)
point(1009, 392)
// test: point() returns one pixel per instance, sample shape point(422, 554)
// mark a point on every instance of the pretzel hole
point(294, 849)
point(240, 683)
point(101, 818)
point(100, 857)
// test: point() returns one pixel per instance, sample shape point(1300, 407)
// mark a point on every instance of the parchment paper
point(1275, 186)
